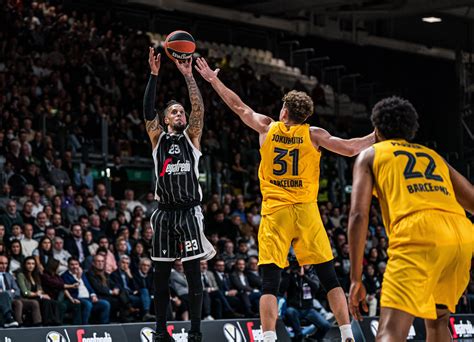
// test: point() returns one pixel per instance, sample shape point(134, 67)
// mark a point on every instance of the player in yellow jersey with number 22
point(289, 180)
point(430, 238)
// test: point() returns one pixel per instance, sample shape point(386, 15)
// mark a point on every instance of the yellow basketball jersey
point(289, 169)
point(409, 178)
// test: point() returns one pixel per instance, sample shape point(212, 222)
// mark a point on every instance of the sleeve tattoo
point(196, 119)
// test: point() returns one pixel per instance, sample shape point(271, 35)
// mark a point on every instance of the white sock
point(269, 336)
point(346, 332)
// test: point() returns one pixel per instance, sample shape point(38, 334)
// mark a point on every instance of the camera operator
point(300, 286)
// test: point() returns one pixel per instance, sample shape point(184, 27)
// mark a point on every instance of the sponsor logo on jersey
point(178, 168)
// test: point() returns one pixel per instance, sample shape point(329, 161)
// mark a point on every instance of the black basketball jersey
point(176, 168)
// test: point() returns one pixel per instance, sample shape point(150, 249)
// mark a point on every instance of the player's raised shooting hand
point(185, 66)
point(357, 296)
point(154, 61)
point(206, 72)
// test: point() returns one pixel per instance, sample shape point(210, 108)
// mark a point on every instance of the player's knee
point(271, 275)
point(327, 275)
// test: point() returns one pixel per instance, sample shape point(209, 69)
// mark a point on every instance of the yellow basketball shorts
point(429, 258)
point(299, 225)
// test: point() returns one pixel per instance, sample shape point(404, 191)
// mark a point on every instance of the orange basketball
point(179, 45)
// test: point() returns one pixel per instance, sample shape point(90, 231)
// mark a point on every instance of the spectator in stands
point(144, 277)
point(95, 228)
point(37, 205)
point(146, 239)
point(373, 287)
point(58, 177)
point(138, 253)
point(27, 213)
point(110, 262)
point(3, 238)
point(28, 244)
point(100, 197)
point(43, 253)
point(106, 289)
point(10, 217)
point(300, 287)
point(76, 245)
point(248, 295)
point(342, 265)
point(16, 233)
point(118, 178)
point(111, 206)
point(8, 291)
point(29, 282)
point(54, 286)
point(242, 250)
point(121, 247)
point(217, 300)
point(131, 202)
point(16, 256)
point(40, 225)
point(138, 297)
point(151, 204)
point(76, 210)
point(91, 244)
point(224, 284)
point(253, 274)
point(61, 230)
point(50, 232)
point(60, 254)
point(90, 303)
point(179, 283)
point(228, 255)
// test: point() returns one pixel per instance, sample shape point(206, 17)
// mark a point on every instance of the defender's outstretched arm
point(345, 147)
point(257, 122)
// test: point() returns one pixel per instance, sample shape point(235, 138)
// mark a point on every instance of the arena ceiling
point(392, 24)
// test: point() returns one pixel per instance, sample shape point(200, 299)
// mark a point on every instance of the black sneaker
point(163, 337)
point(194, 336)
point(10, 323)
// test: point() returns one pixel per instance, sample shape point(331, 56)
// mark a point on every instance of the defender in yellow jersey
point(430, 238)
point(289, 180)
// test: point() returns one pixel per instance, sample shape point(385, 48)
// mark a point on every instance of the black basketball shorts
point(179, 234)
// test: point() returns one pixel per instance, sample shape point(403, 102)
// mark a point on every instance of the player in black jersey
point(178, 221)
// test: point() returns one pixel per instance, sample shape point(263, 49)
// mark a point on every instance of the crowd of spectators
point(75, 250)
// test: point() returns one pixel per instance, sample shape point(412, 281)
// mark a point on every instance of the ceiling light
point(432, 20)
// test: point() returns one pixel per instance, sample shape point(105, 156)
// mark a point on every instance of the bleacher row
point(284, 75)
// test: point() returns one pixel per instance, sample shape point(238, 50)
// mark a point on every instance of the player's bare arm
point(258, 122)
point(346, 147)
point(152, 123)
point(463, 189)
point(361, 197)
point(196, 119)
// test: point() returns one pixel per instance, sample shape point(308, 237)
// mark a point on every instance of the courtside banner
point(461, 327)
point(242, 330)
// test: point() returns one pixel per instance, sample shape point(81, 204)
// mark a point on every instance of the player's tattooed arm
point(196, 119)
point(257, 122)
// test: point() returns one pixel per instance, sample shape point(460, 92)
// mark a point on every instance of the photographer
point(299, 287)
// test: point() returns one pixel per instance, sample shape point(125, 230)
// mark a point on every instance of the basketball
point(179, 45)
